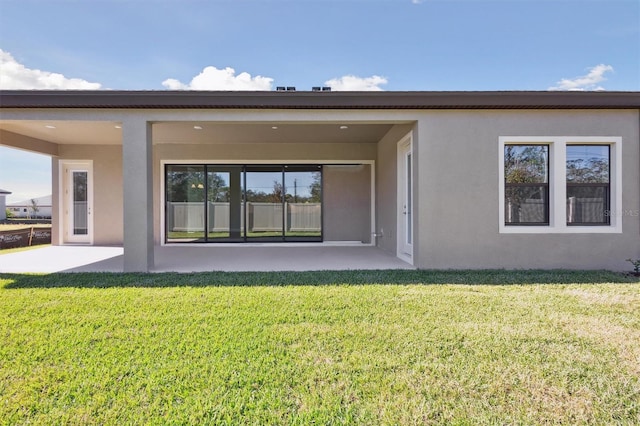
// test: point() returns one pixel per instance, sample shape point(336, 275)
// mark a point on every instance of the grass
point(350, 347)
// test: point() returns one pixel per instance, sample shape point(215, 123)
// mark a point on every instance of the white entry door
point(77, 202)
point(405, 200)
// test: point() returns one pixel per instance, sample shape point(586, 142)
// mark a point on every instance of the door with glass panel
point(405, 200)
point(77, 200)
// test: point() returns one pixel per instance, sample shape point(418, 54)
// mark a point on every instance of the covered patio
point(229, 258)
point(141, 170)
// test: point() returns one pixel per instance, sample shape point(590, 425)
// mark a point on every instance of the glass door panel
point(225, 209)
point(303, 203)
point(409, 208)
point(80, 216)
point(264, 203)
point(185, 208)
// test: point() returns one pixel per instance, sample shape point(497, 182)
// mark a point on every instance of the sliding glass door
point(225, 206)
point(185, 208)
point(264, 203)
point(243, 203)
point(303, 202)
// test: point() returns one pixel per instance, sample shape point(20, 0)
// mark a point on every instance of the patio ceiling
point(109, 133)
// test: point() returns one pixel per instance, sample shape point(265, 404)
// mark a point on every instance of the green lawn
point(360, 347)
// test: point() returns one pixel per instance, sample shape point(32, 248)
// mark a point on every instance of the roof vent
point(281, 89)
point(321, 89)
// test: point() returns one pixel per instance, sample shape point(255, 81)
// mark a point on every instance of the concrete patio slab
point(203, 259)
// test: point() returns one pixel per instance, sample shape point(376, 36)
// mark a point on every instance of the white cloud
point(212, 78)
point(585, 82)
point(14, 75)
point(353, 83)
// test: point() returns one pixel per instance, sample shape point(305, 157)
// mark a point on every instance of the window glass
point(303, 201)
point(526, 174)
point(264, 202)
point(185, 210)
point(587, 184)
point(588, 163)
point(225, 207)
point(237, 203)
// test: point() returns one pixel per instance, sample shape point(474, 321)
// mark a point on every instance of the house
point(3, 202)
point(441, 179)
point(25, 208)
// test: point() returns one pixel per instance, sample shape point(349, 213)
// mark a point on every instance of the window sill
point(604, 229)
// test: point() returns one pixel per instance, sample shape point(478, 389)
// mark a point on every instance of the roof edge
point(163, 99)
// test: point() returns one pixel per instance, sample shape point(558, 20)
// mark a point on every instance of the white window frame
point(558, 184)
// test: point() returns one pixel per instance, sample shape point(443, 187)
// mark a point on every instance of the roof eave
point(317, 100)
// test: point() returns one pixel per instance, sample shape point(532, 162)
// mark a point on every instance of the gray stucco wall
point(347, 203)
point(387, 186)
point(458, 191)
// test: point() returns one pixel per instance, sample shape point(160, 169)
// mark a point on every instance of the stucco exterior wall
point(334, 225)
point(107, 190)
point(387, 185)
point(458, 191)
point(347, 203)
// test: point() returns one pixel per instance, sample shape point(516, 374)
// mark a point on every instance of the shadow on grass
point(311, 278)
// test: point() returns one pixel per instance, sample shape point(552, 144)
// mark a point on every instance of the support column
point(137, 169)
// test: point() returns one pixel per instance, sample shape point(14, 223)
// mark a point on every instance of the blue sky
point(347, 44)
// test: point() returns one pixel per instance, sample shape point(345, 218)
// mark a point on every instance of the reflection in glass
point(185, 210)
point(303, 197)
point(587, 184)
point(526, 175)
point(264, 202)
point(80, 212)
point(225, 210)
point(235, 203)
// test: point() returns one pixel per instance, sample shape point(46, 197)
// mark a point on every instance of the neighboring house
point(24, 209)
point(441, 179)
point(3, 201)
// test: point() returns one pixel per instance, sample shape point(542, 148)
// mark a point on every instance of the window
point(560, 184)
point(526, 180)
point(242, 203)
point(588, 185)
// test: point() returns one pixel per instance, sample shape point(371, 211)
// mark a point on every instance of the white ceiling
point(107, 133)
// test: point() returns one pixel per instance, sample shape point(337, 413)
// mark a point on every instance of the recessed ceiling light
point(49, 126)
point(117, 126)
point(344, 127)
point(274, 127)
point(197, 127)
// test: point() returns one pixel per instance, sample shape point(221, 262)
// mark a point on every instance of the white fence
point(262, 217)
point(585, 210)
